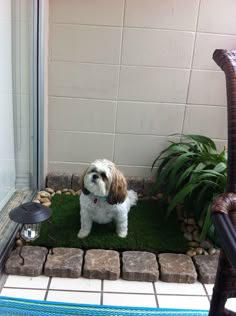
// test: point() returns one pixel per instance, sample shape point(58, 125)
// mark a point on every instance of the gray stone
point(136, 184)
point(206, 244)
point(139, 266)
point(188, 236)
point(76, 182)
point(147, 186)
point(64, 263)
point(176, 268)
point(206, 267)
point(101, 264)
point(59, 181)
point(34, 258)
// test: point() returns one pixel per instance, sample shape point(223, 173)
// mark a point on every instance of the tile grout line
point(191, 68)
point(172, 103)
point(155, 294)
point(118, 81)
point(207, 294)
point(107, 292)
point(161, 29)
point(102, 287)
point(47, 289)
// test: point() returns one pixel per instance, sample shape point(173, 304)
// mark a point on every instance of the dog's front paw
point(82, 234)
point(122, 234)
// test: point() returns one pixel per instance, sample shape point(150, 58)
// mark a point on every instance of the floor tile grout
point(207, 294)
point(102, 287)
point(155, 293)
point(158, 297)
point(47, 290)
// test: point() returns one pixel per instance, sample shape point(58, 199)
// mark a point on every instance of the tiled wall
point(125, 74)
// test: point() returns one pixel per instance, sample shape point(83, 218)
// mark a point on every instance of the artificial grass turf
point(149, 229)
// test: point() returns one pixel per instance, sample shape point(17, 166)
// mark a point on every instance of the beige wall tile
point(79, 147)
point(97, 12)
point(149, 118)
point(217, 16)
point(138, 150)
point(205, 47)
point(154, 78)
point(206, 120)
point(153, 84)
point(142, 47)
point(168, 14)
point(85, 43)
point(132, 171)
point(83, 80)
point(73, 114)
point(70, 167)
point(136, 171)
point(220, 144)
point(207, 87)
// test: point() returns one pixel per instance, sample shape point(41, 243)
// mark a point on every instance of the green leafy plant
point(192, 173)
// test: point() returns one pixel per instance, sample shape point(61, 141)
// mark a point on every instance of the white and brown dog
point(105, 198)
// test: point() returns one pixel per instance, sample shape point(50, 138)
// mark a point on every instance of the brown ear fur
point(84, 190)
point(118, 189)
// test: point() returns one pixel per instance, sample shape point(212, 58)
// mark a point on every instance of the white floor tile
point(26, 293)
point(231, 304)
point(188, 302)
point(209, 288)
point(129, 300)
point(17, 281)
point(179, 288)
point(127, 286)
point(81, 284)
point(74, 297)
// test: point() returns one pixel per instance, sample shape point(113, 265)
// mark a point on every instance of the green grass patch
point(149, 229)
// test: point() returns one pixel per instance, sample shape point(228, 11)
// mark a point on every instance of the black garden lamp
point(30, 215)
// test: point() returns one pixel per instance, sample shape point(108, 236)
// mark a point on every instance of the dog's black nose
point(95, 176)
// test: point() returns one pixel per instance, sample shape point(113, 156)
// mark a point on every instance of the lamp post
point(30, 215)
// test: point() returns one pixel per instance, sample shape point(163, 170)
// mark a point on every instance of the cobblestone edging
point(64, 183)
point(111, 265)
point(59, 181)
point(199, 263)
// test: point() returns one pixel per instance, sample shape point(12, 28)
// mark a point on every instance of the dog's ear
point(118, 189)
point(84, 190)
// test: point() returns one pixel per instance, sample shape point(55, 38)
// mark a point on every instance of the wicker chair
point(224, 207)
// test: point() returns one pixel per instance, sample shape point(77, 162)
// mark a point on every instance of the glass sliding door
point(7, 154)
point(18, 111)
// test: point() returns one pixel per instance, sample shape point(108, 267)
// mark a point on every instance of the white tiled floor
point(120, 292)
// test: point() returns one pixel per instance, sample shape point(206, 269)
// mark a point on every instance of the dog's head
point(103, 179)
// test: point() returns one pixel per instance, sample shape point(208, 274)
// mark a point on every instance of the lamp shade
point(30, 213)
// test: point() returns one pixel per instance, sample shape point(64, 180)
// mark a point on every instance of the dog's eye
point(93, 170)
point(103, 175)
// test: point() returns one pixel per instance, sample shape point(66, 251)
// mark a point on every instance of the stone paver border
point(110, 265)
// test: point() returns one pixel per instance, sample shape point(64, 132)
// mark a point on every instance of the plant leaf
point(179, 197)
point(207, 222)
point(202, 140)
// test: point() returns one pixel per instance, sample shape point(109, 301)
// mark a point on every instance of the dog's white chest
point(100, 211)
